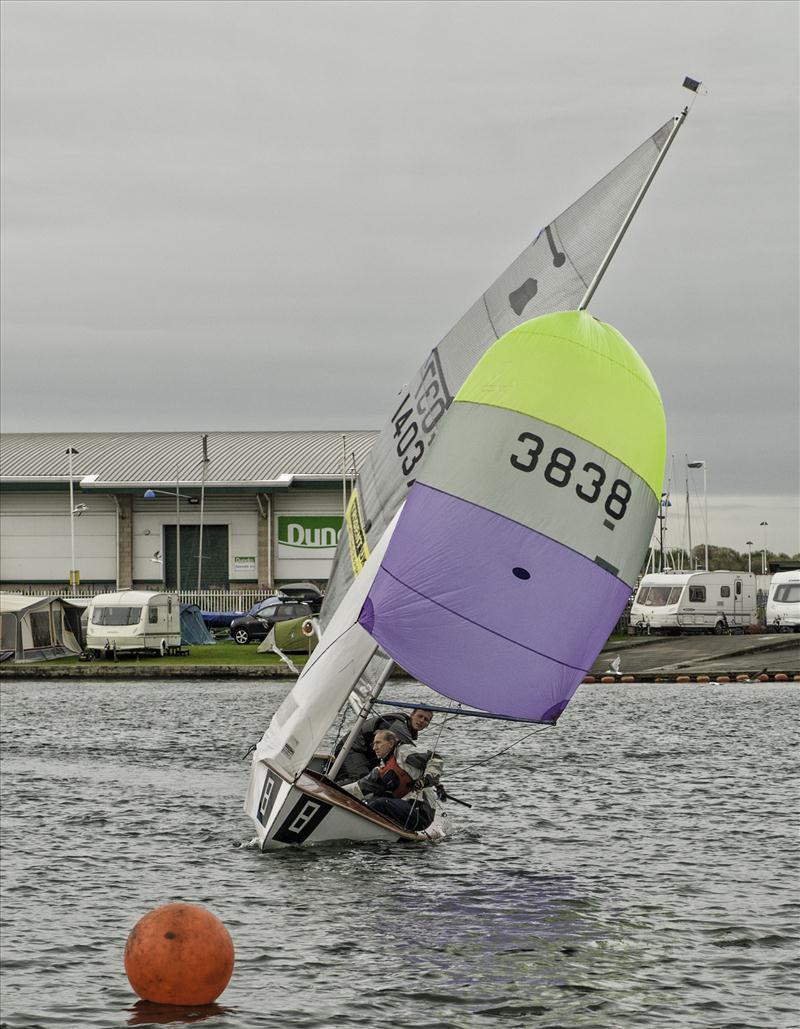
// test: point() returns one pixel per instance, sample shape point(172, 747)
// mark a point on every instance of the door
point(215, 557)
point(738, 602)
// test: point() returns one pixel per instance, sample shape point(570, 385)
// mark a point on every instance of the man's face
point(420, 719)
point(382, 744)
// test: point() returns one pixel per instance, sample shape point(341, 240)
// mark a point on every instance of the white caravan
point(695, 602)
point(134, 620)
point(783, 602)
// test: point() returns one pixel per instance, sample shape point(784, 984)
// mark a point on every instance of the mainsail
point(519, 543)
point(552, 274)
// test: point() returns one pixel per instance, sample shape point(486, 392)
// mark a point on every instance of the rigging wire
point(491, 757)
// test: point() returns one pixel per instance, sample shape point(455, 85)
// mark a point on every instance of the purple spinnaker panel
point(452, 605)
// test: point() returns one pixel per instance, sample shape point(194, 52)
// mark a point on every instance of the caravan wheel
point(719, 628)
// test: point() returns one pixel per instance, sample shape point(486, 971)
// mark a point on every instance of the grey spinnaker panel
point(552, 274)
point(571, 512)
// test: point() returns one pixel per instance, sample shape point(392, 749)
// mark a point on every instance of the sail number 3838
point(558, 467)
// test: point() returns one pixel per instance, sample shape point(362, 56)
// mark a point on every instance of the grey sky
point(253, 215)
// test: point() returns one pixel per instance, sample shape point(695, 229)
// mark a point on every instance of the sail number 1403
point(416, 418)
point(558, 467)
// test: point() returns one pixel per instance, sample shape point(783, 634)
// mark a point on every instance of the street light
point(764, 551)
point(73, 572)
point(749, 544)
point(150, 494)
point(702, 464)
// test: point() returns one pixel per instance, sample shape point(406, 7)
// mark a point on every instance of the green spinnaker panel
point(604, 392)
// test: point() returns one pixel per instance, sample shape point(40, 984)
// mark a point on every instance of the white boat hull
point(312, 810)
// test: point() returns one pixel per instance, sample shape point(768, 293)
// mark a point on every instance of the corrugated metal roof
point(152, 458)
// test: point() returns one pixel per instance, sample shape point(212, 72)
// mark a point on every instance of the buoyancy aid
point(390, 764)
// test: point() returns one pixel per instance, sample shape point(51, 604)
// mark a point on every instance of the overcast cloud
point(257, 216)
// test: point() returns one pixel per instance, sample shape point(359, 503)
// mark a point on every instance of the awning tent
point(193, 628)
point(38, 628)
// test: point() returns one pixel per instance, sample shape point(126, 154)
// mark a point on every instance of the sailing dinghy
point(503, 561)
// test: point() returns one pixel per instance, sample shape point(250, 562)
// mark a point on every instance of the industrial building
point(156, 510)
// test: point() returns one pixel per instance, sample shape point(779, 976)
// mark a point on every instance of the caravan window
point(788, 593)
point(724, 591)
point(697, 594)
point(658, 596)
point(117, 615)
point(738, 587)
point(152, 615)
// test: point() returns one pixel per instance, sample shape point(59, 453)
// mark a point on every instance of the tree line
point(719, 559)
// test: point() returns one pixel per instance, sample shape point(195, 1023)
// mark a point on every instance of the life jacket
point(390, 764)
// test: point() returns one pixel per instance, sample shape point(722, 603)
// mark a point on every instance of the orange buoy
point(703, 678)
point(589, 679)
point(763, 677)
point(608, 678)
point(627, 678)
point(683, 678)
point(723, 678)
point(179, 954)
point(780, 677)
point(743, 678)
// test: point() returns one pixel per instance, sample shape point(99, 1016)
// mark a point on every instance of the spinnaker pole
point(679, 120)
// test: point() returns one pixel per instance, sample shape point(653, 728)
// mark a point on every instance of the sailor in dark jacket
point(361, 757)
point(402, 787)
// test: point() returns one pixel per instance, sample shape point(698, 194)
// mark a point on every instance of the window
point(697, 594)
point(40, 628)
point(116, 616)
point(724, 591)
point(738, 587)
point(659, 596)
point(152, 615)
point(788, 593)
point(8, 632)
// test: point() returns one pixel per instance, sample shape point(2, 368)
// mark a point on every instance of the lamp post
point(764, 551)
point(749, 544)
point(702, 464)
point(72, 452)
point(205, 460)
point(150, 494)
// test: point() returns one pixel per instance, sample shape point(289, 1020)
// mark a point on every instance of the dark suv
point(256, 624)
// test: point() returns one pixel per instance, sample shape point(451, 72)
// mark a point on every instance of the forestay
point(518, 545)
point(551, 274)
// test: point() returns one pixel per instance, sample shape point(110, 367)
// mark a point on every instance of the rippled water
point(633, 867)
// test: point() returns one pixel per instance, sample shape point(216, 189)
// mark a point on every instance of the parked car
point(306, 592)
point(223, 619)
point(263, 616)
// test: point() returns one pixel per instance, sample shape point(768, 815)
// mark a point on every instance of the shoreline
point(649, 660)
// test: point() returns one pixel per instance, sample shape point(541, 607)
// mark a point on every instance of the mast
point(362, 717)
point(678, 121)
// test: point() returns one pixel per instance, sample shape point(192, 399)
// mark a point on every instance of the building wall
point(35, 535)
